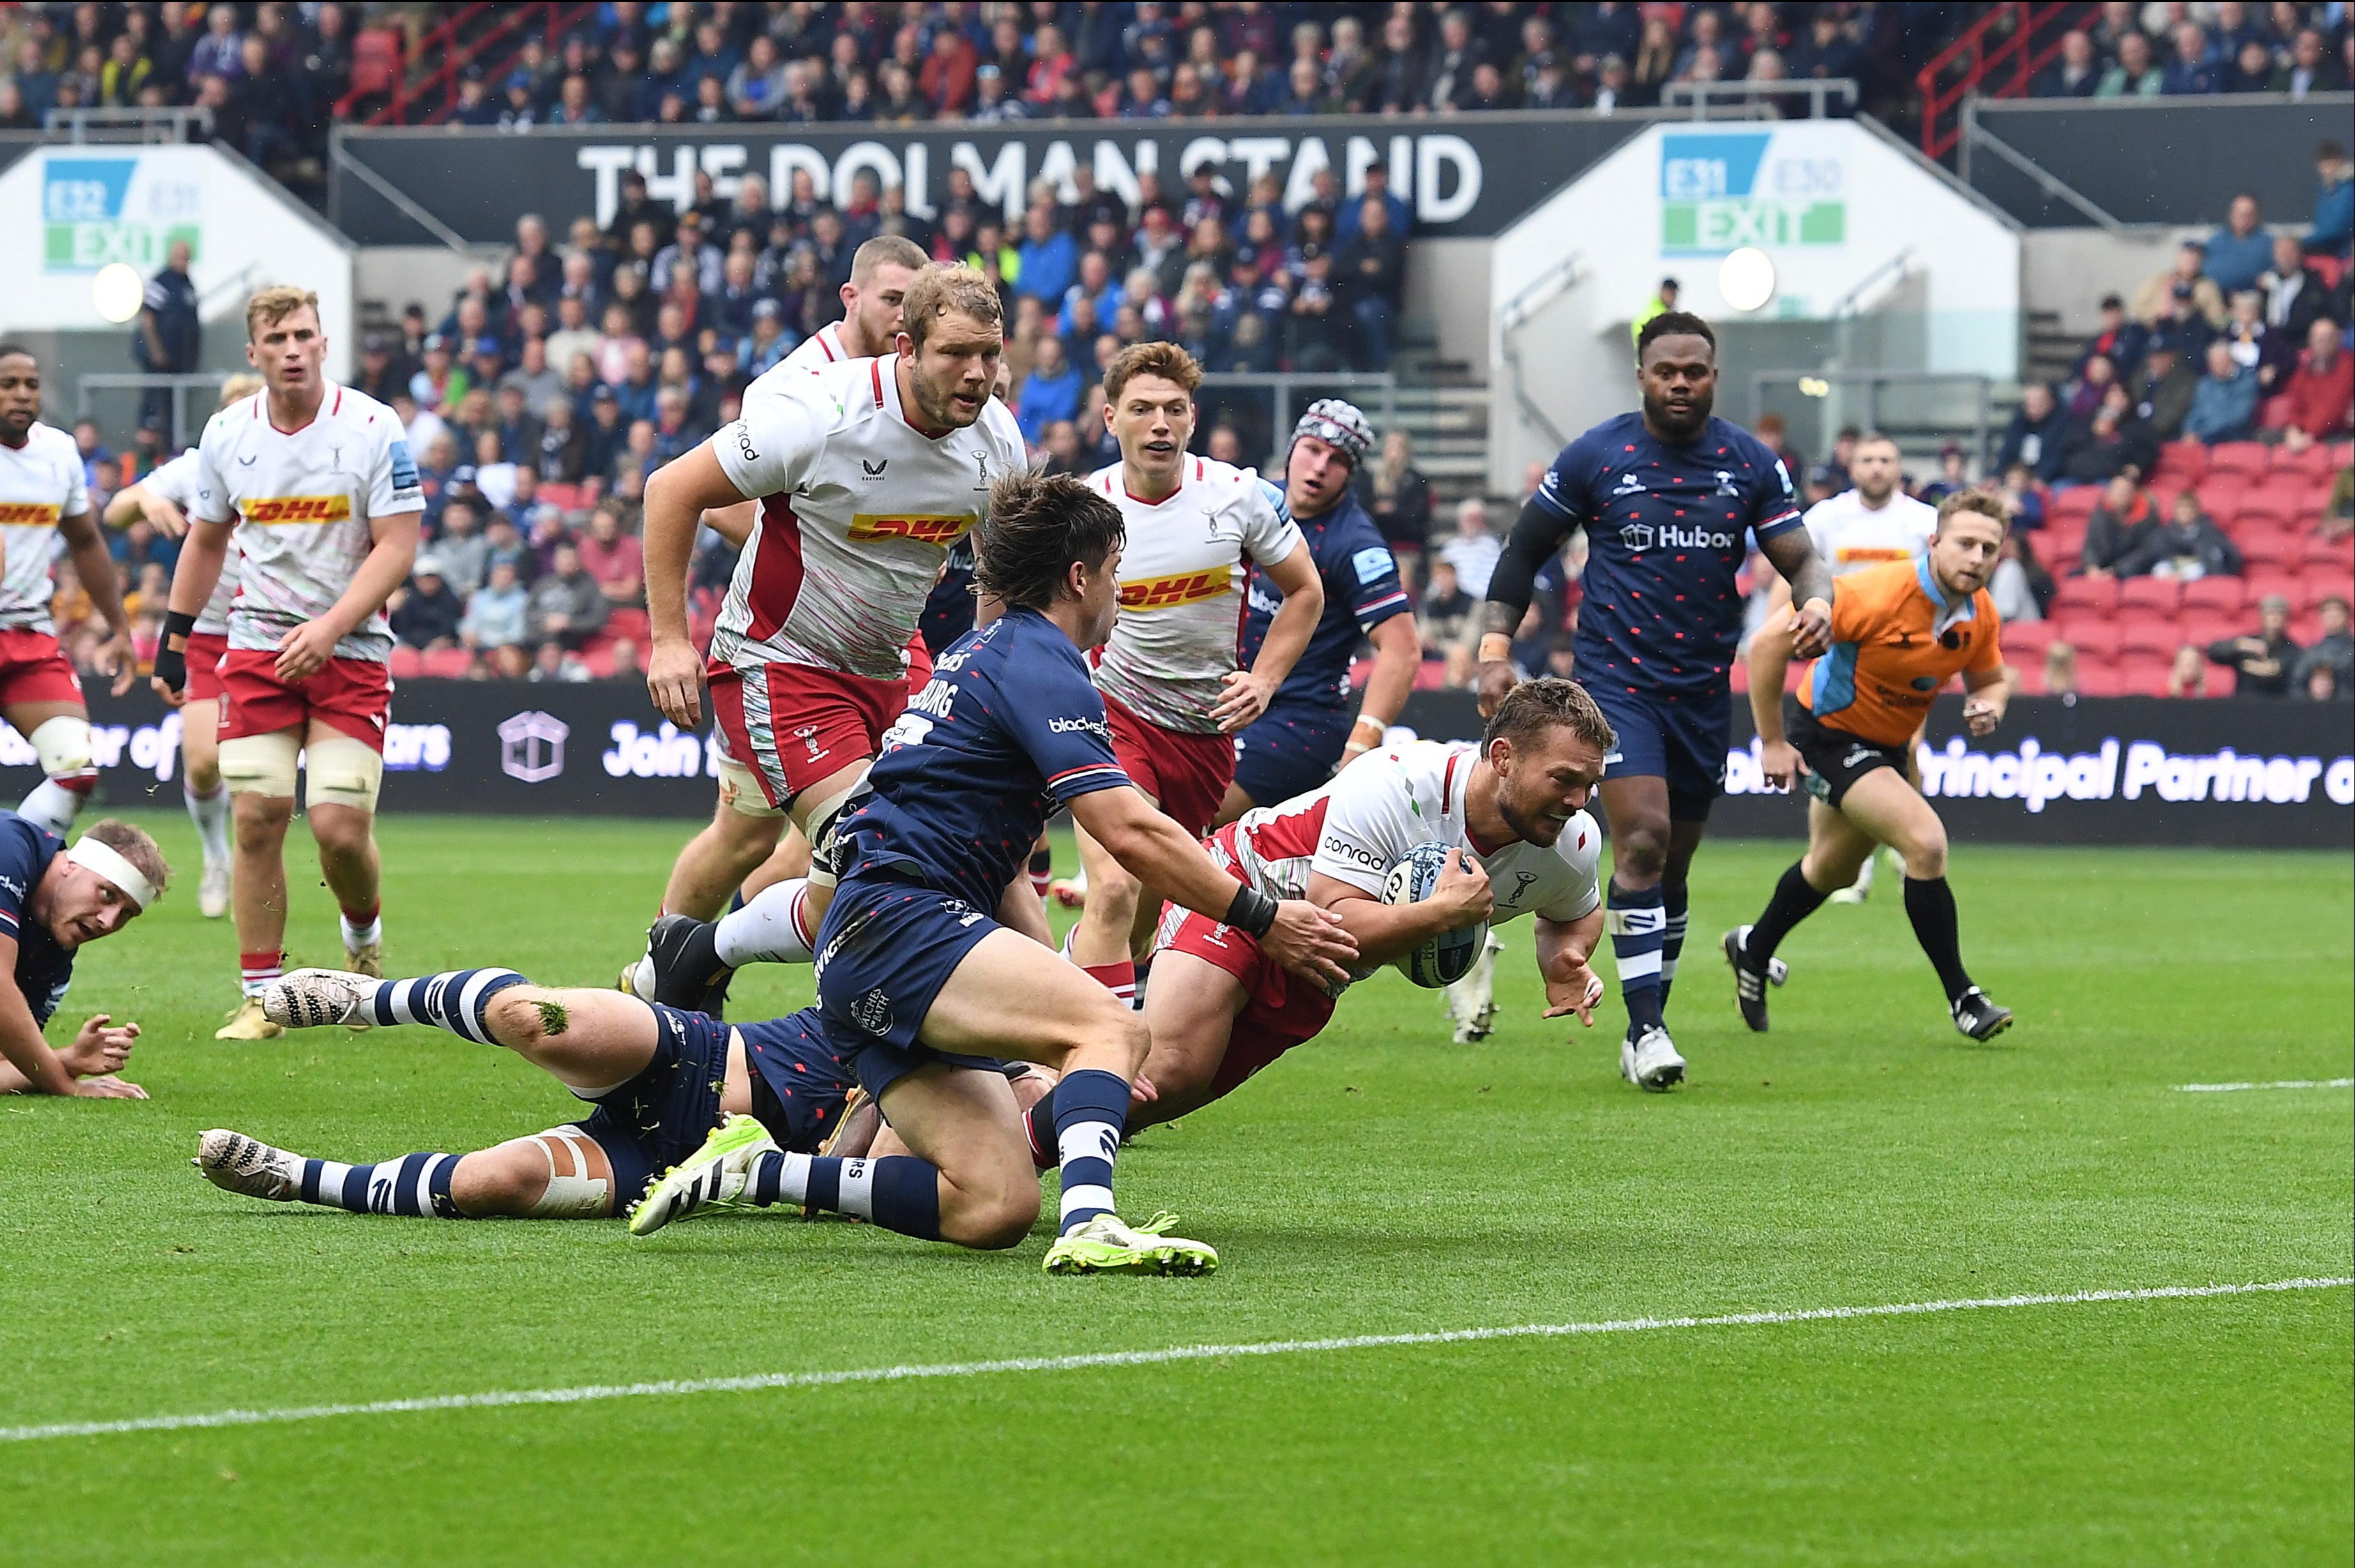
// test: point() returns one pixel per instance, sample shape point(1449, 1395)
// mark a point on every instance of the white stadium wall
point(90, 205)
point(1852, 221)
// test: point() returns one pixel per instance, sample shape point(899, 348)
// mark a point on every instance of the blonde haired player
point(1172, 692)
point(866, 474)
point(315, 482)
point(162, 499)
point(44, 498)
point(1869, 523)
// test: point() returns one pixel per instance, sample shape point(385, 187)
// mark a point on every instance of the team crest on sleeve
point(1373, 564)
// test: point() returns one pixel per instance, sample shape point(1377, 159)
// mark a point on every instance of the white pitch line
point(760, 1380)
point(2283, 1084)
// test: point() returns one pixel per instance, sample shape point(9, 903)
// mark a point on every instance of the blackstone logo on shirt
point(1083, 726)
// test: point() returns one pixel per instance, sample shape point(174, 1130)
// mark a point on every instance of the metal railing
point(1539, 292)
point(1818, 384)
point(206, 382)
point(151, 126)
point(1288, 392)
point(1698, 96)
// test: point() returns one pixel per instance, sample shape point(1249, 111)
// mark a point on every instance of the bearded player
point(315, 482)
point(1197, 530)
point(1901, 632)
point(659, 1079)
point(44, 496)
point(1871, 522)
point(162, 499)
point(740, 847)
point(866, 474)
point(1665, 498)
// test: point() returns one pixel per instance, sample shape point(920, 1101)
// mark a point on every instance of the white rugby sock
point(210, 814)
point(774, 928)
point(51, 805)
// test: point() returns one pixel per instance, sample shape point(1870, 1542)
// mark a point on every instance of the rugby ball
point(1447, 957)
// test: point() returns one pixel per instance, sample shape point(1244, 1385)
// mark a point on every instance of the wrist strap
point(1252, 913)
point(179, 626)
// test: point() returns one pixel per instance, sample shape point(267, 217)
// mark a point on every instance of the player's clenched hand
point(1779, 760)
point(1246, 698)
point(99, 1046)
point(1579, 991)
point(108, 1089)
point(305, 651)
point(1463, 892)
point(1811, 630)
point(1979, 716)
point(674, 679)
point(120, 660)
point(1309, 941)
point(1497, 678)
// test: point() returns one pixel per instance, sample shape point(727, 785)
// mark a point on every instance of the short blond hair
point(886, 250)
point(1980, 501)
point(134, 845)
point(236, 388)
point(275, 304)
point(1166, 360)
point(938, 290)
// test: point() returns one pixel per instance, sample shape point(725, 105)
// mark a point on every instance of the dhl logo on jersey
point(29, 514)
point(298, 509)
point(941, 530)
point(1167, 592)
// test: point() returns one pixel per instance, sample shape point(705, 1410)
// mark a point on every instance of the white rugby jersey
point(1181, 583)
point(1851, 536)
point(858, 508)
point(177, 482)
point(302, 500)
point(818, 350)
point(1380, 807)
point(41, 482)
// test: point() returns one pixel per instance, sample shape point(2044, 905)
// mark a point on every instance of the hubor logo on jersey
point(1183, 588)
point(1641, 537)
point(940, 529)
point(298, 509)
point(29, 514)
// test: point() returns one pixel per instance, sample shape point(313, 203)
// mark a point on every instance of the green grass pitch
point(1379, 1182)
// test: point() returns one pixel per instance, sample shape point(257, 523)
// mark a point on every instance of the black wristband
point(180, 624)
point(171, 664)
point(1252, 911)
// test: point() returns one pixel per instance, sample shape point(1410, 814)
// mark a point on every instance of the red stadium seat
point(448, 664)
point(2098, 678)
point(2305, 628)
point(2186, 460)
point(2025, 641)
point(2266, 580)
point(600, 660)
point(564, 497)
point(2202, 628)
point(2093, 636)
point(2144, 676)
point(630, 621)
point(2270, 546)
point(2312, 464)
point(2317, 552)
point(2154, 634)
point(2274, 502)
point(2079, 594)
point(2077, 501)
point(2214, 593)
point(2223, 498)
point(2140, 597)
point(2314, 585)
point(2238, 457)
point(407, 663)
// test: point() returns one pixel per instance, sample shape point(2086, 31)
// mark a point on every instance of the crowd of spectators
point(2135, 50)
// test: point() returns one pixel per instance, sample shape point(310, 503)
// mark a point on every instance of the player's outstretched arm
point(1770, 657)
point(1794, 555)
point(1537, 533)
point(135, 501)
point(1300, 936)
point(1564, 948)
point(98, 1050)
point(678, 495)
point(1249, 691)
point(94, 568)
point(1398, 656)
point(203, 554)
point(1385, 933)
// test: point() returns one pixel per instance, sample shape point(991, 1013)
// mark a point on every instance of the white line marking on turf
point(757, 1382)
point(2283, 1084)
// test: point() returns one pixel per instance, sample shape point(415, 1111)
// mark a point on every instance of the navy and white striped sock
point(898, 1192)
point(1677, 900)
point(417, 1185)
point(1090, 1110)
point(1638, 924)
point(458, 1000)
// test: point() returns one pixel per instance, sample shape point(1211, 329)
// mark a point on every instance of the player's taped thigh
point(261, 765)
point(345, 772)
point(824, 832)
point(63, 746)
point(740, 790)
point(577, 1196)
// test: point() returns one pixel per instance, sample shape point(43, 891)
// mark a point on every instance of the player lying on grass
point(53, 900)
point(1512, 808)
point(659, 1078)
point(1901, 631)
point(928, 991)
